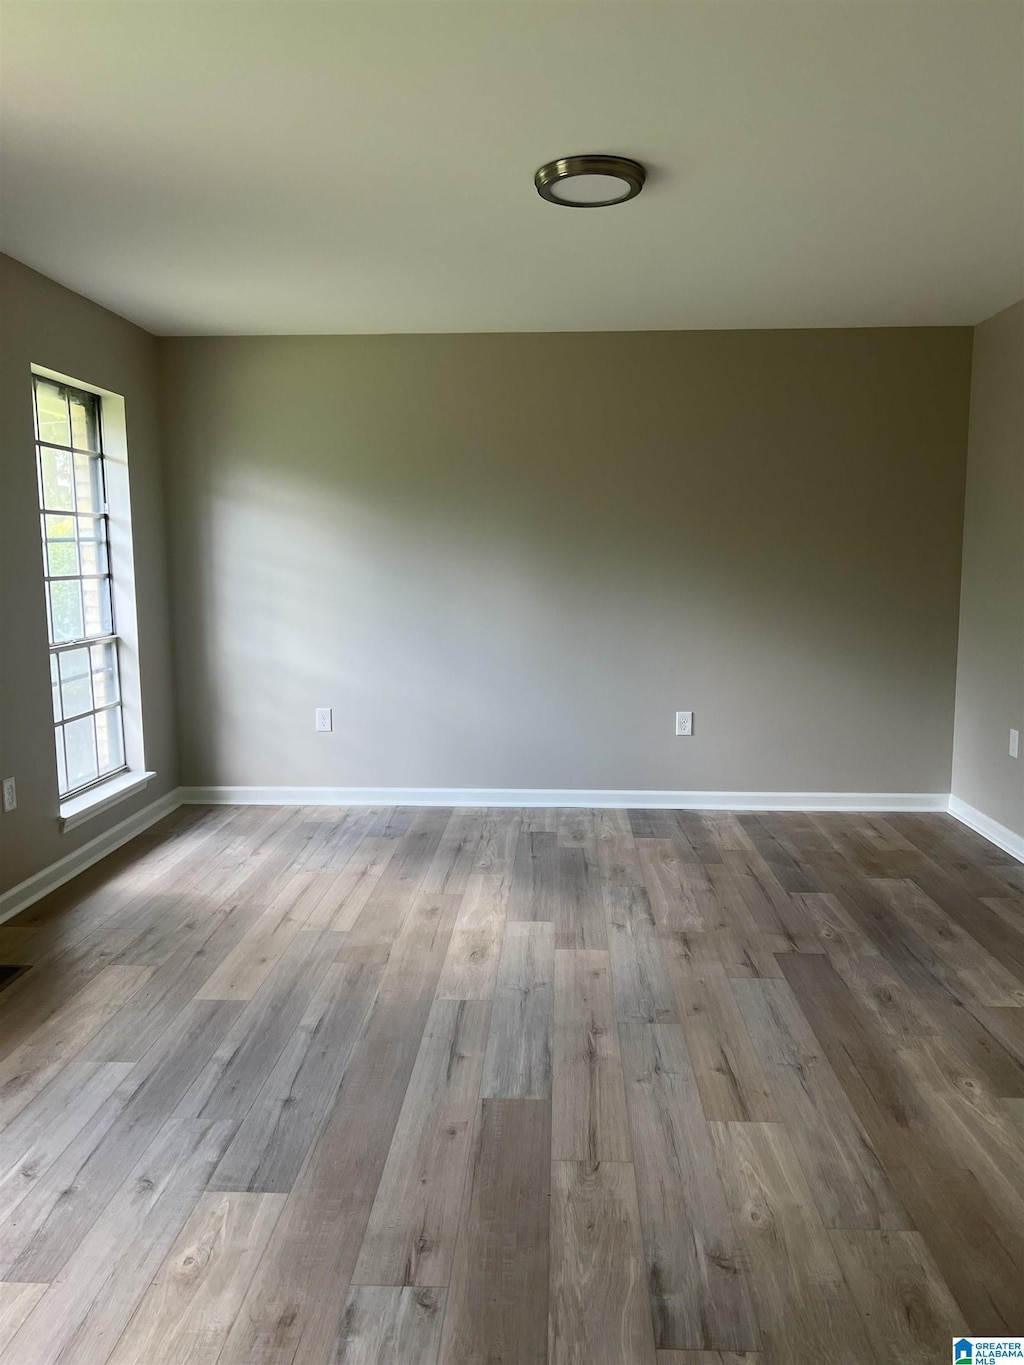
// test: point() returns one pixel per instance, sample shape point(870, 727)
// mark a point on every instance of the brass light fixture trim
point(575, 182)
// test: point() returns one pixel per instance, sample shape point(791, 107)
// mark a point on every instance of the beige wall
point(45, 324)
point(506, 561)
point(990, 673)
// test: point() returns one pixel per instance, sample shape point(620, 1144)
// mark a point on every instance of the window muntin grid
point(84, 674)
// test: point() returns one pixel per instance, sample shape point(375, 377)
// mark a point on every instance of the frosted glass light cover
point(590, 189)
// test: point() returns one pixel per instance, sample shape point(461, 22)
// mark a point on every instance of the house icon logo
point(963, 1353)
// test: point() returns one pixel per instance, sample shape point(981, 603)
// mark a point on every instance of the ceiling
point(338, 166)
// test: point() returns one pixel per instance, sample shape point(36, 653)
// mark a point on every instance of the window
point(85, 674)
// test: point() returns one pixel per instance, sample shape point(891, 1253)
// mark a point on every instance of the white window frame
point(118, 787)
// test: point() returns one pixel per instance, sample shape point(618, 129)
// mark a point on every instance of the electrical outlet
point(10, 795)
point(684, 722)
point(324, 723)
point(1014, 743)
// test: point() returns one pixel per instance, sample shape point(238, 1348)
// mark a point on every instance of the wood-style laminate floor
point(397, 1087)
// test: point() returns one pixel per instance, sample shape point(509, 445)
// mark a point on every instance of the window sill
point(101, 798)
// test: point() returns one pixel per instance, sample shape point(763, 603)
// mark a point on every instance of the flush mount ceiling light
point(590, 182)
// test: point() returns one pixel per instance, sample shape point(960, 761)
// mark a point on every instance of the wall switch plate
point(1014, 743)
point(324, 724)
point(10, 795)
point(684, 722)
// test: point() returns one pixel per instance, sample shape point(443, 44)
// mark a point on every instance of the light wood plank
point(804, 1308)
point(729, 1075)
point(741, 953)
point(292, 1311)
point(353, 886)
point(470, 970)
point(770, 836)
point(410, 1239)
point(273, 1139)
point(617, 858)
point(578, 829)
point(332, 838)
point(578, 914)
point(983, 977)
point(883, 993)
point(535, 877)
point(153, 1012)
point(961, 1118)
point(695, 1272)
point(186, 1313)
point(589, 1121)
point(1003, 939)
point(453, 863)
point(772, 910)
point(312, 905)
point(669, 885)
point(43, 1130)
point(498, 1298)
point(27, 1070)
point(907, 1309)
point(838, 931)
point(849, 1185)
point(499, 835)
point(225, 1088)
point(599, 1312)
point(387, 906)
point(937, 991)
point(249, 964)
point(54, 1218)
point(966, 1238)
point(640, 978)
point(16, 1302)
point(518, 1061)
point(863, 1060)
point(87, 1306)
point(726, 833)
point(293, 1307)
point(386, 1326)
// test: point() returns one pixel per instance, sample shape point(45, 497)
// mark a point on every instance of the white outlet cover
point(324, 721)
point(10, 795)
point(1014, 743)
point(684, 722)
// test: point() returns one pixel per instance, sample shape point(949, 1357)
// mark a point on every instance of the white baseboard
point(569, 797)
point(988, 828)
point(42, 883)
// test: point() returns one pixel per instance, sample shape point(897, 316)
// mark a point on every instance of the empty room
point(511, 682)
